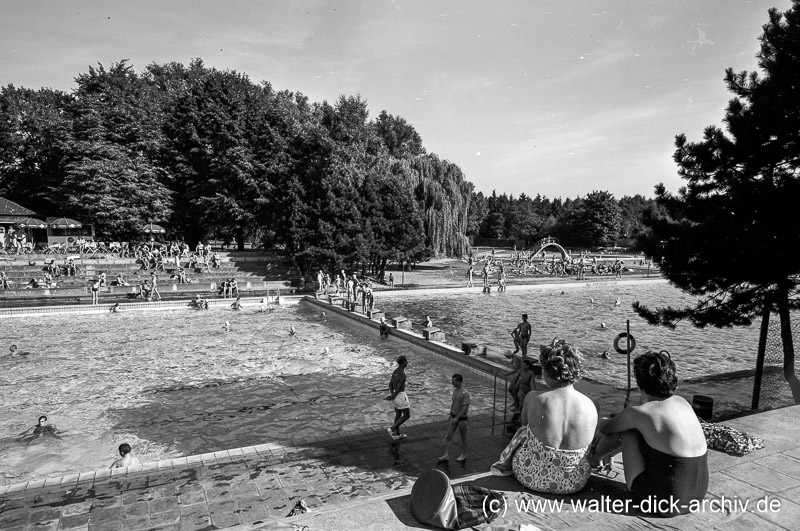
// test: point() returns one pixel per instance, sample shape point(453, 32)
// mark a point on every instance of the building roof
point(10, 208)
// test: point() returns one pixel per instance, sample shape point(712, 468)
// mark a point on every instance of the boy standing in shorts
point(397, 394)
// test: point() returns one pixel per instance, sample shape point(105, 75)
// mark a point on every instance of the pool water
point(568, 312)
point(175, 383)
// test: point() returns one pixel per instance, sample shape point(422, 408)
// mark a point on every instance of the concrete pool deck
point(363, 481)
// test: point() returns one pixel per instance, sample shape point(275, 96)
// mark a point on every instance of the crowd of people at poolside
point(561, 440)
point(524, 263)
point(174, 258)
point(350, 288)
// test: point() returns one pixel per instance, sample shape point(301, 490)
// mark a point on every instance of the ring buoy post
point(630, 344)
point(620, 337)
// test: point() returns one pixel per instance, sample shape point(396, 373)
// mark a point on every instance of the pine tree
point(731, 236)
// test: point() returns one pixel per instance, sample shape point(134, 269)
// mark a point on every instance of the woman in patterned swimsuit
point(558, 425)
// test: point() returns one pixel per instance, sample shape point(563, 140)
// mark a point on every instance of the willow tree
point(731, 237)
point(444, 198)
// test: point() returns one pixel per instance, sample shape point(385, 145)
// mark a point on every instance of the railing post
point(494, 399)
point(505, 400)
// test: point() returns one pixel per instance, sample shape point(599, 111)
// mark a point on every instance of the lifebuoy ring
point(622, 336)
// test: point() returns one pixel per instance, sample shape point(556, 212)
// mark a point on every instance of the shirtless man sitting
point(126, 459)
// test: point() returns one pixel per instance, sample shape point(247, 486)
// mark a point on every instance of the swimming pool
point(567, 311)
point(175, 383)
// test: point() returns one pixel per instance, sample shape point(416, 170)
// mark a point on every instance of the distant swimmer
point(324, 316)
point(428, 322)
point(591, 300)
point(115, 308)
point(602, 325)
point(13, 350)
point(292, 332)
point(606, 355)
point(384, 328)
point(126, 459)
point(327, 350)
point(41, 429)
point(227, 326)
point(237, 304)
point(617, 302)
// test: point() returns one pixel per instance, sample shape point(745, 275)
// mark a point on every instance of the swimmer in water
point(115, 308)
point(617, 302)
point(324, 316)
point(227, 326)
point(41, 429)
point(292, 332)
point(606, 355)
point(591, 300)
point(13, 350)
point(384, 328)
point(602, 325)
point(237, 304)
point(428, 322)
point(126, 459)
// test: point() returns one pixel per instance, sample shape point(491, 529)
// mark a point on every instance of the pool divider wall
point(405, 333)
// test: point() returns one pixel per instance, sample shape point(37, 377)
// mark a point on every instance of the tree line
point(598, 219)
point(209, 153)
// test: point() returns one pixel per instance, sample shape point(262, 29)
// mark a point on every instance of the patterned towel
point(503, 465)
point(729, 440)
point(471, 503)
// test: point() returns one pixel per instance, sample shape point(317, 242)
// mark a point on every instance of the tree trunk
point(382, 271)
point(239, 240)
point(788, 344)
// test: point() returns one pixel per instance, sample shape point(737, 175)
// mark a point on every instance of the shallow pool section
point(577, 313)
point(176, 383)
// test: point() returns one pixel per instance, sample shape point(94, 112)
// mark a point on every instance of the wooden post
point(762, 349)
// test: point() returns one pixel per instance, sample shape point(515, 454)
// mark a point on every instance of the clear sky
point(553, 97)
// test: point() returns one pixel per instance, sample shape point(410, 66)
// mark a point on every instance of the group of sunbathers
point(561, 439)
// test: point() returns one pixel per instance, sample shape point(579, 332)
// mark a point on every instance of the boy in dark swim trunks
point(663, 445)
point(459, 416)
point(522, 334)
